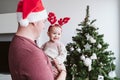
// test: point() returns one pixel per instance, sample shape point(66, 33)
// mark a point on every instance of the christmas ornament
point(92, 40)
point(112, 74)
point(114, 62)
point(93, 56)
point(87, 79)
point(99, 46)
point(100, 77)
point(79, 50)
point(88, 37)
point(87, 46)
point(71, 48)
point(88, 62)
point(82, 57)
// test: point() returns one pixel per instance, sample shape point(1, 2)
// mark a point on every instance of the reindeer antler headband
point(52, 19)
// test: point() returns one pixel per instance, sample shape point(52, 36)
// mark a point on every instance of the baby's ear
point(48, 33)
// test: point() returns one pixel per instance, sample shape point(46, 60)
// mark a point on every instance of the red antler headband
point(52, 19)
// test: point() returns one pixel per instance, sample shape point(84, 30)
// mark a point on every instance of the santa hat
point(30, 11)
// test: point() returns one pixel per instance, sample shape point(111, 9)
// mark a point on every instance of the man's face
point(40, 25)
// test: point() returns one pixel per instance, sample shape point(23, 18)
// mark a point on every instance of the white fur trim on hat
point(24, 22)
point(32, 17)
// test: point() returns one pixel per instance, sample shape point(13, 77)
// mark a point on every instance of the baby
point(55, 49)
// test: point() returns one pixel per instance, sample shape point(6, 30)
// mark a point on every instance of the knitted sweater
point(27, 61)
point(55, 50)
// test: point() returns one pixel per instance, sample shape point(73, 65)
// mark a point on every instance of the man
point(26, 60)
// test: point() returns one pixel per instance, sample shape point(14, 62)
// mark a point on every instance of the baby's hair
point(55, 25)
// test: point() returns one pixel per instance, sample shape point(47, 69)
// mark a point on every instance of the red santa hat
point(30, 11)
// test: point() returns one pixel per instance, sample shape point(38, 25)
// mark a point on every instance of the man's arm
point(36, 67)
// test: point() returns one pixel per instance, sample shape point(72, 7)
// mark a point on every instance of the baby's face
point(55, 34)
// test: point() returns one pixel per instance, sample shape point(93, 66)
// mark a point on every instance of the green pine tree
point(88, 57)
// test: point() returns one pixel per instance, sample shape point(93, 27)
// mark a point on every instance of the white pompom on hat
point(30, 11)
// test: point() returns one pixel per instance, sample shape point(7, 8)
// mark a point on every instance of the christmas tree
point(88, 57)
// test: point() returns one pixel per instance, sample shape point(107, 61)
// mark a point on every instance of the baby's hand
point(58, 66)
point(55, 61)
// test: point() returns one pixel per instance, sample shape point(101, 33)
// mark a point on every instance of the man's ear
point(34, 23)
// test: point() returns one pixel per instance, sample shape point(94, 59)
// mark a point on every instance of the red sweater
point(27, 61)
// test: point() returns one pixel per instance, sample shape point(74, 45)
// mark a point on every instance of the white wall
point(105, 11)
point(8, 23)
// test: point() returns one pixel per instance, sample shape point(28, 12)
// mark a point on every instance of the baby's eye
point(58, 33)
point(54, 33)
